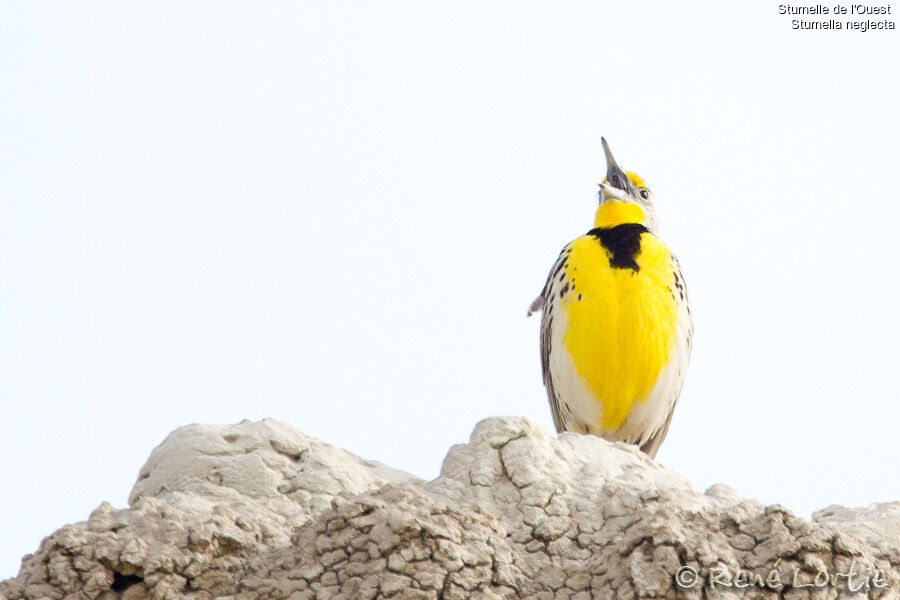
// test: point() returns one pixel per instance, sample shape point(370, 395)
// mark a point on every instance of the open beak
point(615, 176)
point(616, 186)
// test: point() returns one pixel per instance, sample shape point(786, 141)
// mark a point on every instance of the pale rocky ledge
point(260, 510)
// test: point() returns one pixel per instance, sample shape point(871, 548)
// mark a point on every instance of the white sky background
point(336, 214)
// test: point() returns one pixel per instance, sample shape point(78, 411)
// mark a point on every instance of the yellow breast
point(621, 317)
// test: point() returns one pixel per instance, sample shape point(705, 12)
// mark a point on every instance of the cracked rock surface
point(259, 510)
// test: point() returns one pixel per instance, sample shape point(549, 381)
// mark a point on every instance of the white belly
point(582, 411)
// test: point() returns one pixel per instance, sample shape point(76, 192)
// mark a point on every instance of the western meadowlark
point(616, 327)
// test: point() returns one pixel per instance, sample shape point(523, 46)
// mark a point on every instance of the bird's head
point(624, 197)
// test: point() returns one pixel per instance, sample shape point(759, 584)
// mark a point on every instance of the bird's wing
point(548, 304)
point(651, 446)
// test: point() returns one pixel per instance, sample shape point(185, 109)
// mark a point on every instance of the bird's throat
point(610, 214)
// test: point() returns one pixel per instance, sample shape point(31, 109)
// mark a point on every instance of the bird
point(616, 326)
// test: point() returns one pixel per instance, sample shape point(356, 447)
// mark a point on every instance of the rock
point(259, 510)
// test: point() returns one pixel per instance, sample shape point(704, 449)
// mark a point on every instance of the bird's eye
point(645, 194)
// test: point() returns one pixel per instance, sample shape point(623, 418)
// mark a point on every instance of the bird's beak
point(615, 176)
